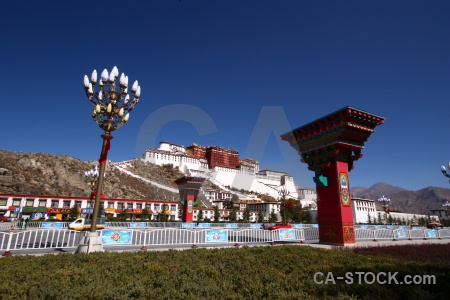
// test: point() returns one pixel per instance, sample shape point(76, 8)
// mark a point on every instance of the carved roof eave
point(352, 135)
point(354, 117)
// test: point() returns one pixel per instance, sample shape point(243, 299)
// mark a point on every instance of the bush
point(281, 272)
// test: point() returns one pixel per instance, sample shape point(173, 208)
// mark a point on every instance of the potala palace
point(224, 168)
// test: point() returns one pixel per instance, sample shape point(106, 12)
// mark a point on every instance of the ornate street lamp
point(111, 111)
point(444, 171)
point(91, 179)
point(385, 204)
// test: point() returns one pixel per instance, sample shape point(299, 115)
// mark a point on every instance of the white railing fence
point(33, 239)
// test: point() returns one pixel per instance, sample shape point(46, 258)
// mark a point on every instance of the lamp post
point(111, 111)
point(385, 203)
point(91, 179)
point(444, 171)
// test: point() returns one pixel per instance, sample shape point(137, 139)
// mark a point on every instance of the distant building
point(364, 208)
point(308, 198)
point(38, 207)
point(440, 213)
point(267, 208)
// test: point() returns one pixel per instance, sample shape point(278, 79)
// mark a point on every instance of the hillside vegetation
point(46, 174)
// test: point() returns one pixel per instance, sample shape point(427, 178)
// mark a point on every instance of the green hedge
point(278, 272)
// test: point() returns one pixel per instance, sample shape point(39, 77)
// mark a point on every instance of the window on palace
point(16, 201)
point(30, 202)
point(120, 205)
point(173, 208)
point(66, 204)
point(42, 203)
point(3, 201)
point(156, 206)
point(55, 203)
point(129, 205)
point(138, 205)
point(110, 204)
point(78, 203)
point(148, 206)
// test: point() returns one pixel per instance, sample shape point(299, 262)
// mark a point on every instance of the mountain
point(51, 175)
point(402, 200)
point(376, 191)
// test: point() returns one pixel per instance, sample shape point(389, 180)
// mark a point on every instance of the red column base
point(339, 234)
point(7, 253)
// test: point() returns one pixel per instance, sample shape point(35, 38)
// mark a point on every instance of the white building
point(246, 177)
point(38, 207)
point(208, 214)
point(267, 208)
point(308, 198)
point(363, 208)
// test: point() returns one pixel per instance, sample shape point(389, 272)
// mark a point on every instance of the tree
point(233, 215)
point(163, 216)
point(246, 215)
point(390, 219)
point(145, 214)
point(123, 215)
point(369, 218)
point(260, 217)
point(200, 215)
point(101, 210)
point(216, 214)
point(291, 210)
point(74, 212)
point(307, 217)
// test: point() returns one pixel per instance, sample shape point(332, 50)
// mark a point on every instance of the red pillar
point(189, 188)
point(189, 199)
point(334, 210)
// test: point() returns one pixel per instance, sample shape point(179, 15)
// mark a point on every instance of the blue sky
point(233, 74)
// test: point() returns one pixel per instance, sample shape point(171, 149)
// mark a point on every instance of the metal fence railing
point(362, 234)
point(143, 224)
point(31, 239)
point(36, 238)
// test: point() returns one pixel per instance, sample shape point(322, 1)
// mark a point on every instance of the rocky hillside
point(45, 174)
point(420, 202)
